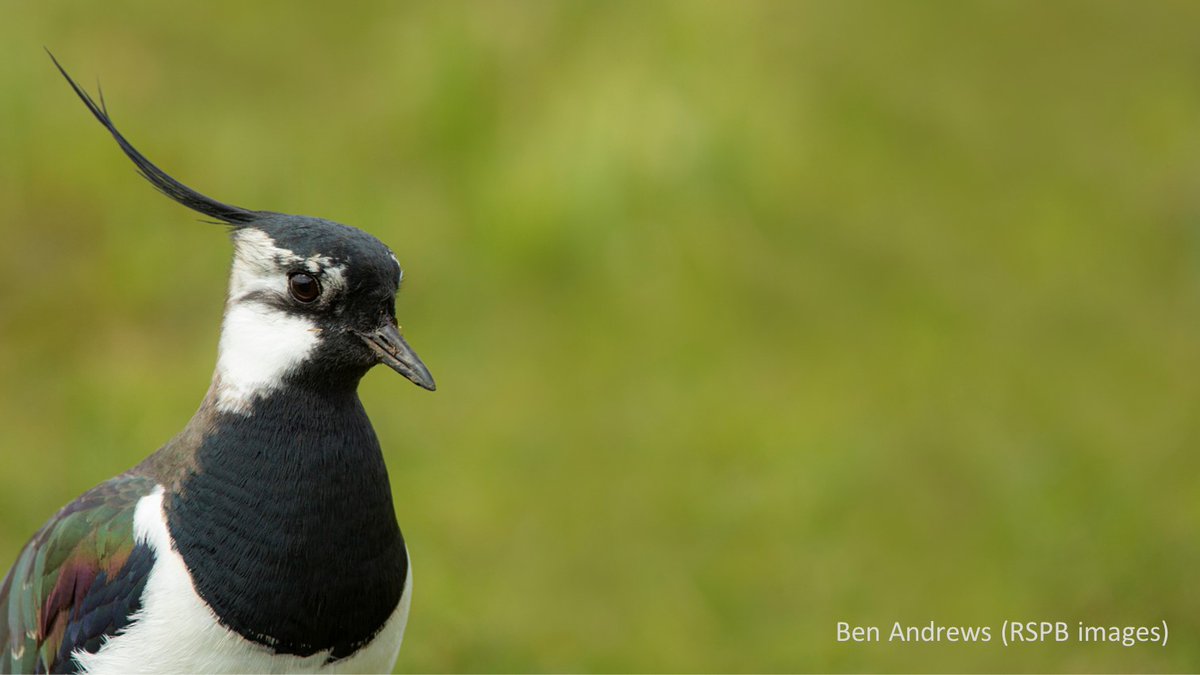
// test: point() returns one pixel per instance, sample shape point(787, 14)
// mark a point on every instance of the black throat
point(287, 524)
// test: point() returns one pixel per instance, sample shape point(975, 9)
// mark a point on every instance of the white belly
point(176, 632)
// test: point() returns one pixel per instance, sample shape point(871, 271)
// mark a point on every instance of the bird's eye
point(304, 287)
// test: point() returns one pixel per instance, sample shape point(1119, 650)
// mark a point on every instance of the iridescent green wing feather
point(77, 581)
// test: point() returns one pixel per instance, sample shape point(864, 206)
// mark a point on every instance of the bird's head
point(311, 302)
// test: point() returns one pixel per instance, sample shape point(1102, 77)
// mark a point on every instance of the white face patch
point(259, 346)
point(260, 343)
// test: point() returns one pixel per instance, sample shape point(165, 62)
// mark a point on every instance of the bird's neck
point(312, 433)
point(311, 452)
point(296, 492)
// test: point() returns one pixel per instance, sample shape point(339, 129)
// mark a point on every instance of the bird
point(263, 537)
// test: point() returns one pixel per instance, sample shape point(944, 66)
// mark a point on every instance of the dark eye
point(304, 287)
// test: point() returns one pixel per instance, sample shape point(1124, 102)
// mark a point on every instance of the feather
point(226, 213)
point(77, 582)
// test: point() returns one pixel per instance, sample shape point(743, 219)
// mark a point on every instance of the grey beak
point(395, 353)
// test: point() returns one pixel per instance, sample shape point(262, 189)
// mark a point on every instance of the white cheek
point(259, 346)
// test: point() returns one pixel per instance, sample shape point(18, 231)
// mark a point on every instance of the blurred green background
point(746, 318)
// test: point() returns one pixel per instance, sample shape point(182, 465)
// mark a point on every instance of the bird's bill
point(395, 353)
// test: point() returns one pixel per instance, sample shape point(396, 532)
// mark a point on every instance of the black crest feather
point(233, 215)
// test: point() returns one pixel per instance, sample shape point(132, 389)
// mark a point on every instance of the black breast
point(287, 525)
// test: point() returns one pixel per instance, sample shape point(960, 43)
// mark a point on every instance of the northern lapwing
point(262, 538)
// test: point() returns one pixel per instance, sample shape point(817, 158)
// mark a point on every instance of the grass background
point(747, 318)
